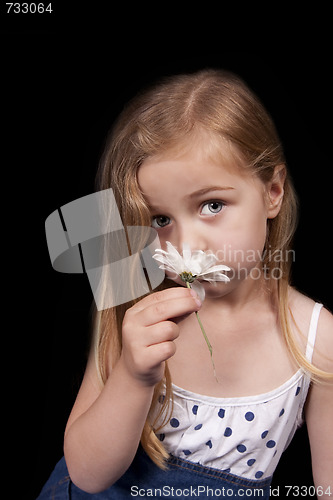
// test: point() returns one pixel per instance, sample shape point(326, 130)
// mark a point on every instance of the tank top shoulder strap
point(313, 331)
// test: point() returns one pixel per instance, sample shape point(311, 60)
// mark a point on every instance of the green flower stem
point(205, 337)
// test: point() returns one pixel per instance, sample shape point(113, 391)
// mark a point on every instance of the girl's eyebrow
point(197, 194)
point(207, 189)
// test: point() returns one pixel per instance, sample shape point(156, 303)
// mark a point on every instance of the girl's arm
point(319, 411)
point(104, 429)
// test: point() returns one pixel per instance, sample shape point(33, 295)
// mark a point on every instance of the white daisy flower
point(191, 266)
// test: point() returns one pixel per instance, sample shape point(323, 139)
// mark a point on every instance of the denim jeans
point(182, 479)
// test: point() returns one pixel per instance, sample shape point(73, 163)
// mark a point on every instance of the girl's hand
point(149, 334)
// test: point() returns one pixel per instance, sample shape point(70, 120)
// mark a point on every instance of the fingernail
point(198, 302)
point(196, 298)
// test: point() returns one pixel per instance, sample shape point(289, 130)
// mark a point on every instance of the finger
point(161, 352)
point(165, 309)
point(162, 332)
point(174, 292)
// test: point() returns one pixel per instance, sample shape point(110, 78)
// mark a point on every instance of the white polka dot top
point(245, 436)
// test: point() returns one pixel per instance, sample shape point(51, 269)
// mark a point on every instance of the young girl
point(198, 158)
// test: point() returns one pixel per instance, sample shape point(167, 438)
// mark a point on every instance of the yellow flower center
point(187, 277)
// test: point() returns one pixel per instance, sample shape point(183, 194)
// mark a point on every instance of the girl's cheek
point(245, 251)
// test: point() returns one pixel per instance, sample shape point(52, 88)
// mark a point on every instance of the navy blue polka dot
point(195, 409)
point(221, 413)
point(249, 416)
point(209, 444)
point(298, 390)
point(251, 462)
point(187, 452)
point(228, 432)
point(270, 444)
point(281, 412)
point(264, 434)
point(197, 427)
point(161, 437)
point(174, 422)
point(226, 470)
point(241, 448)
point(161, 399)
point(258, 474)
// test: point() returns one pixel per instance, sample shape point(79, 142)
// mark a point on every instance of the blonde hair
point(157, 120)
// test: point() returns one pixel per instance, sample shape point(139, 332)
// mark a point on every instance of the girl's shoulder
point(302, 308)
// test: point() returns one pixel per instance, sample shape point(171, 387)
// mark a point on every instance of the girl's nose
point(192, 236)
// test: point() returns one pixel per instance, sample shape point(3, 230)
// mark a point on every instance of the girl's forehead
point(203, 148)
point(193, 168)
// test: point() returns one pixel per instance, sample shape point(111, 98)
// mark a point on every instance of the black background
point(64, 80)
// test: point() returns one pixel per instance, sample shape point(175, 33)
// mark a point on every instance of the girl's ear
point(275, 191)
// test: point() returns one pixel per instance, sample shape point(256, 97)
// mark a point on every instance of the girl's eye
point(212, 207)
point(160, 221)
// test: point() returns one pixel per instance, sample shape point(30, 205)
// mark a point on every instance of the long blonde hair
point(218, 103)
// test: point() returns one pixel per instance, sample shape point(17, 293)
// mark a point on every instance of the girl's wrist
point(140, 383)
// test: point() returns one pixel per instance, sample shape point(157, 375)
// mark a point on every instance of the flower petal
point(175, 258)
point(170, 269)
point(215, 269)
point(170, 258)
point(164, 261)
point(198, 263)
point(215, 277)
point(186, 253)
point(199, 289)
